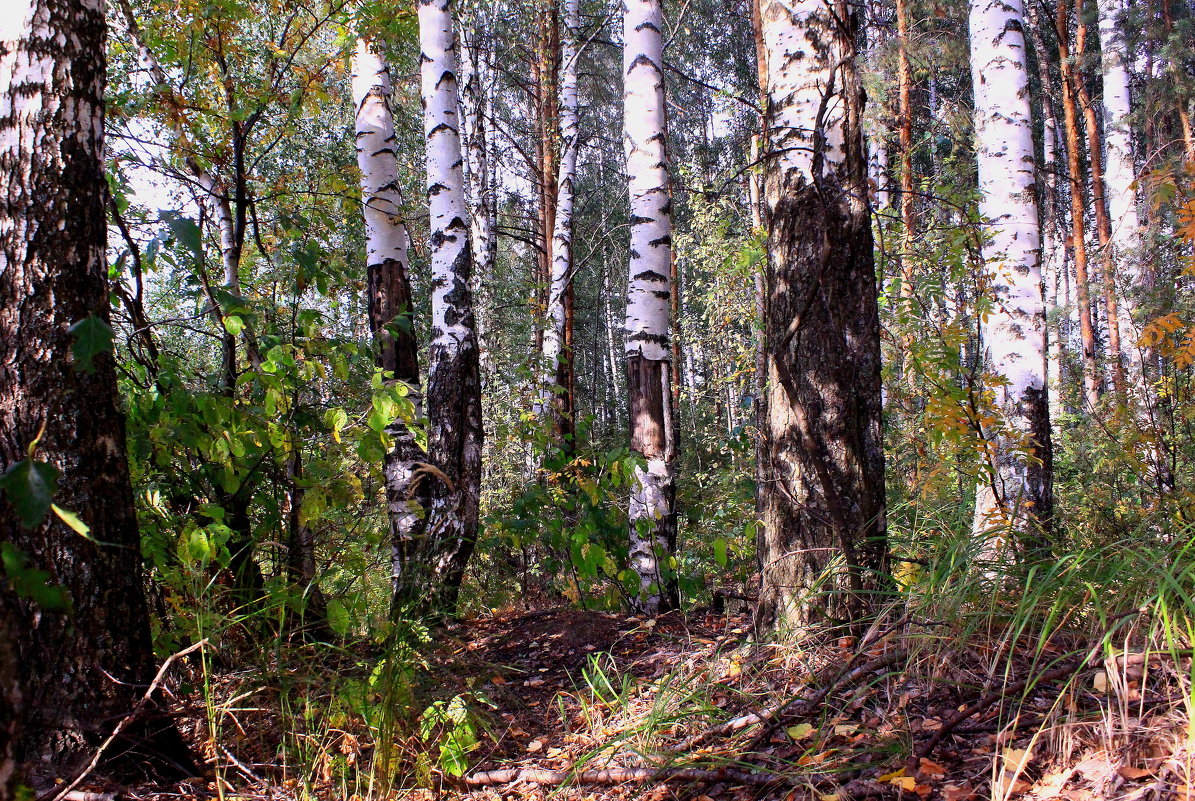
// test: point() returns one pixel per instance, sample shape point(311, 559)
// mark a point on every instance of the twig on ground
point(242, 767)
point(785, 708)
point(65, 794)
point(1064, 670)
point(83, 795)
point(554, 778)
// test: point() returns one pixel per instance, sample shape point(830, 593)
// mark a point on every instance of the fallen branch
point(68, 792)
point(83, 795)
point(608, 776)
point(785, 708)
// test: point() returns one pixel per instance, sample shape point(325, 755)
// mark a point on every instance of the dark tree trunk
point(300, 553)
point(398, 353)
point(82, 669)
point(10, 696)
point(822, 546)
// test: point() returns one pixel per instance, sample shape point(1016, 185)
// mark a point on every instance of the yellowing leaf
point(893, 776)
point(800, 731)
point(72, 520)
point(1015, 759)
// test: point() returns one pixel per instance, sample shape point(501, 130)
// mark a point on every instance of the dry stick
point(66, 793)
point(779, 711)
point(621, 776)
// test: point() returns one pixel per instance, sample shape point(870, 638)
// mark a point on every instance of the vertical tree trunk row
point(1120, 173)
point(1074, 160)
point(558, 399)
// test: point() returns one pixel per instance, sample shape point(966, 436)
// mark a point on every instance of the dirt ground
point(589, 705)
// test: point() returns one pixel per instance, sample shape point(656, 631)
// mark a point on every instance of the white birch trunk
point(562, 237)
point(1119, 171)
point(1017, 491)
point(648, 332)
point(453, 394)
point(476, 139)
point(387, 245)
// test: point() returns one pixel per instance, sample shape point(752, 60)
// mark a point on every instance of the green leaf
point(338, 617)
point(185, 230)
point(29, 582)
point(92, 337)
point(72, 520)
point(336, 419)
point(234, 325)
point(720, 555)
point(30, 487)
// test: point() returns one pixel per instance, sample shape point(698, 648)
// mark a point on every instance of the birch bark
point(390, 302)
point(454, 383)
point(82, 667)
point(1017, 491)
point(822, 494)
point(557, 375)
point(648, 331)
point(1119, 171)
point(477, 140)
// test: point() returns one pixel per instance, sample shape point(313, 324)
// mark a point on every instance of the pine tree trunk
point(1087, 335)
point(652, 513)
point(1095, 153)
point(82, 669)
point(822, 547)
point(454, 383)
point(390, 303)
point(1054, 258)
point(1016, 489)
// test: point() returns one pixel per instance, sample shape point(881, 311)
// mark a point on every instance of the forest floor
point(585, 705)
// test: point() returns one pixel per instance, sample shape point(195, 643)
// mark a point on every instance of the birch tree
point(822, 497)
point(557, 378)
point(86, 660)
point(390, 302)
point(1016, 490)
point(649, 291)
point(1120, 174)
point(477, 74)
point(453, 382)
